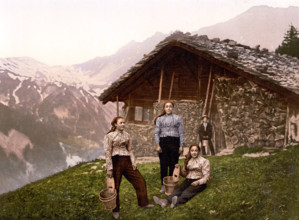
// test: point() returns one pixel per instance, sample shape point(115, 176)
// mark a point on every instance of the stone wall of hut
point(250, 115)
point(142, 139)
point(143, 134)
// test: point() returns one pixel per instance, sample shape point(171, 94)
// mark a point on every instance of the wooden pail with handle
point(108, 195)
point(170, 182)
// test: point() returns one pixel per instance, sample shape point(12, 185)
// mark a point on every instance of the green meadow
point(239, 188)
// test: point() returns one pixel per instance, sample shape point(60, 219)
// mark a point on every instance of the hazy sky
point(65, 32)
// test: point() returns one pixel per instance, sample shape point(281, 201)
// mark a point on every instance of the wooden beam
point(127, 116)
point(198, 76)
point(208, 89)
point(117, 106)
point(161, 83)
point(286, 133)
point(130, 99)
point(171, 85)
point(211, 99)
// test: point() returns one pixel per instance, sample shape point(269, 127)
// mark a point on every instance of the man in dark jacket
point(205, 133)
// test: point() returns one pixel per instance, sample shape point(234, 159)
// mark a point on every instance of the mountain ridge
point(259, 25)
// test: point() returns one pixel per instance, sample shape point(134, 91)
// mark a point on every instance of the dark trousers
point(169, 156)
point(211, 146)
point(122, 165)
point(186, 191)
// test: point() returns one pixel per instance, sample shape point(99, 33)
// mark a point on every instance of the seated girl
point(196, 169)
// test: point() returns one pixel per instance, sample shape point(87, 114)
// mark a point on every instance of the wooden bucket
point(169, 184)
point(108, 195)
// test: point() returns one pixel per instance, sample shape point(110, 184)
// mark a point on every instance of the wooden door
point(218, 134)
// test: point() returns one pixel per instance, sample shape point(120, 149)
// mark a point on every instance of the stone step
point(225, 152)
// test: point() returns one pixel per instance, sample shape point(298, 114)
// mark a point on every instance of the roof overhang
point(141, 70)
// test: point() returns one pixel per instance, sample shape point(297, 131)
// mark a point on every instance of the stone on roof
point(282, 70)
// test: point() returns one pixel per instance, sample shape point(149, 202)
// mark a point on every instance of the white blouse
point(199, 168)
point(118, 143)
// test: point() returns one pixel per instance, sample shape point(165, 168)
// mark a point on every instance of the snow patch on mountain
point(14, 93)
point(61, 112)
point(23, 68)
point(4, 99)
point(30, 169)
point(15, 143)
point(82, 93)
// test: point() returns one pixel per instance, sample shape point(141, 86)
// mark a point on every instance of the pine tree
point(290, 43)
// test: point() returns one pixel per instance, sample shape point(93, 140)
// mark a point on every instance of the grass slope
point(240, 188)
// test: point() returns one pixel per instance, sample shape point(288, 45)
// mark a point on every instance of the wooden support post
point(286, 134)
point(128, 113)
point(211, 99)
point(199, 75)
point(208, 89)
point(117, 106)
point(161, 82)
point(171, 86)
point(130, 100)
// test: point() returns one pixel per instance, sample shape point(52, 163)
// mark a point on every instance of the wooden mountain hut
point(251, 95)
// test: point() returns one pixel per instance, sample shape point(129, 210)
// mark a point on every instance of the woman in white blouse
point(120, 160)
point(197, 172)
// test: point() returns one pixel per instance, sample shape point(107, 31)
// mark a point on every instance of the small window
point(138, 113)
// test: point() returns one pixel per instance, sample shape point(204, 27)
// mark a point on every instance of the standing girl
point(169, 137)
point(120, 160)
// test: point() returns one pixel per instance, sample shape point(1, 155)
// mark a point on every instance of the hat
point(204, 116)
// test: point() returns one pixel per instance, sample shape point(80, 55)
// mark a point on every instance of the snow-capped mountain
point(26, 67)
point(48, 121)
